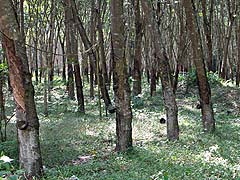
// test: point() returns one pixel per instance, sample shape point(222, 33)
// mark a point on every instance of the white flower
point(6, 159)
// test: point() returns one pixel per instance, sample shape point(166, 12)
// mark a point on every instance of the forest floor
point(77, 145)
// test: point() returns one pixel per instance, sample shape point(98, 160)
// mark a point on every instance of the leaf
point(13, 177)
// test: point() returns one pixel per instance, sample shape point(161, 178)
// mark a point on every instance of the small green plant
point(7, 170)
point(137, 102)
point(214, 79)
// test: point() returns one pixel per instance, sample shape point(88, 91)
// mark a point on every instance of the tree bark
point(21, 82)
point(208, 32)
point(137, 64)
point(120, 79)
point(103, 65)
point(72, 55)
point(92, 55)
point(2, 105)
point(70, 80)
point(238, 54)
point(203, 85)
point(165, 75)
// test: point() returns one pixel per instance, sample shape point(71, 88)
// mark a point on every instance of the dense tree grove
point(110, 47)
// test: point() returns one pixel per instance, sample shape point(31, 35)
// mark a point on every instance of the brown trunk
point(208, 31)
point(92, 38)
point(137, 78)
point(92, 55)
point(72, 55)
point(50, 57)
point(238, 58)
point(120, 79)
point(165, 75)
point(63, 58)
point(224, 67)
point(203, 85)
point(79, 87)
point(103, 66)
point(2, 106)
point(21, 82)
point(169, 99)
point(68, 28)
point(153, 82)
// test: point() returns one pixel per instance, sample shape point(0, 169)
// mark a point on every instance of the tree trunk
point(208, 31)
point(137, 77)
point(92, 39)
point(70, 80)
point(21, 82)
point(72, 55)
point(50, 56)
point(169, 99)
point(120, 79)
point(165, 75)
point(103, 60)
point(238, 54)
point(2, 105)
point(63, 58)
point(203, 85)
point(92, 55)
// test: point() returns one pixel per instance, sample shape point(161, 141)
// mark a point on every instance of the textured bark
point(238, 59)
point(203, 85)
point(68, 27)
point(165, 75)
point(92, 55)
point(153, 79)
point(20, 79)
point(50, 56)
point(169, 99)
point(92, 39)
point(208, 31)
point(72, 51)
point(2, 106)
point(103, 65)
point(224, 66)
point(63, 58)
point(120, 79)
point(137, 64)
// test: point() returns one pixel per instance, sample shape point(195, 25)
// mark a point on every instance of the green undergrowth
point(82, 145)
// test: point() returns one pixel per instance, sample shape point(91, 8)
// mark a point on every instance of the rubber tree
point(165, 73)
point(203, 85)
point(23, 91)
point(121, 85)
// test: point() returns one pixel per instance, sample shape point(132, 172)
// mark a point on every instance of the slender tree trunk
point(63, 59)
point(137, 64)
point(203, 85)
point(50, 56)
point(70, 80)
point(72, 51)
point(92, 56)
point(21, 82)
point(120, 79)
point(224, 67)
point(165, 75)
point(208, 31)
point(238, 58)
point(2, 105)
point(103, 65)
point(153, 79)
point(92, 39)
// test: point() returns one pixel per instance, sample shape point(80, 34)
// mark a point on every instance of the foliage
point(7, 170)
point(3, 69)
point(76, 145)
point(191, 78)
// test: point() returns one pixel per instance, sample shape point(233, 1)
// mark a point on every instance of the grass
point(68, 137)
